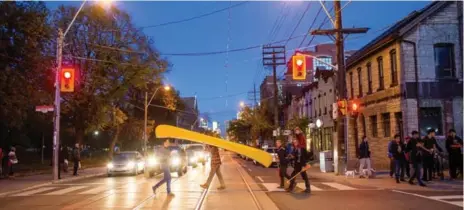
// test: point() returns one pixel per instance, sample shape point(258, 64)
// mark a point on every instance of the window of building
point(380, 68)
point(363, 125)
point(360, 83)
point(323, 62)
point(386, 124)
point(369, 77)
point(444, 60)
point(325, 110)
point(373, 122)
point(399, 123)
point(394, 68)
point(351, 85)
point(430, 118)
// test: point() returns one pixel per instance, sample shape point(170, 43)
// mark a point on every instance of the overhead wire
point(299, 22)
point(195, 17)
point(227, 49)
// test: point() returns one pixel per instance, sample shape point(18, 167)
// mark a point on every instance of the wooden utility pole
point(341, 94)
point(274, 56)
point(252, 96)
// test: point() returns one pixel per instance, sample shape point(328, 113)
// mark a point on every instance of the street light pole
point(147, 103)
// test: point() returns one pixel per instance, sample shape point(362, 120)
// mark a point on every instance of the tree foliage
point(297, 121)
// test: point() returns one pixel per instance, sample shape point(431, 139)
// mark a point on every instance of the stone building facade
point(413, 69)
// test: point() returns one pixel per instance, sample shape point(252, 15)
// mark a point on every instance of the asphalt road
point(120, 192)
point(327, 194)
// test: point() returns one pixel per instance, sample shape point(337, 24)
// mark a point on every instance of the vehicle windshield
point(124, 156)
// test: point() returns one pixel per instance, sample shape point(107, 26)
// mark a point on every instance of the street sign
point(334, 111)
point(44, 109)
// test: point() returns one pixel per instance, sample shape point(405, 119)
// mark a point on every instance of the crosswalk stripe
point(313, 188)
point(272, 187)
point(30, 192)
point(457, 203)
point(338, 186)
point(94, 190)
point(446, 197)
point(66, 190)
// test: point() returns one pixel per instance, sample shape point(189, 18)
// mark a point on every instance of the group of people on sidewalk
point(418, 158)
point(165, 154)
point(63, 157)
point(297, 155)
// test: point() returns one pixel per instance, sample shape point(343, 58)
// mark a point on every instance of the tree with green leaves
point(112, 56)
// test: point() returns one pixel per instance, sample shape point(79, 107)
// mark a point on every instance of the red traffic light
point(299, 67)
point(67, 75)
point(354, 107)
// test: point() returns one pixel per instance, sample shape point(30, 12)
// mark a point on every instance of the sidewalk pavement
point(236, 195)
point(384, 181)
point(29, 182)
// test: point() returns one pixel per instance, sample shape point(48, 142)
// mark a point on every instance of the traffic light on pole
point(67, 80)
point(342, 106)
point(299, 67)
point(354, 108)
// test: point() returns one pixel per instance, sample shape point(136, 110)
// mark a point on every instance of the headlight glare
point(130, 164)
point(109, 165)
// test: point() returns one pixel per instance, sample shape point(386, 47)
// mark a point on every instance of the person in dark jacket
point(299, 157)
point(454, 148)
point(407, 168)
point(76, 158)
point(364, 157)
point(415, 148)
point(397, 151)
point(431, 145)
point(392, 162)
point(283, 162)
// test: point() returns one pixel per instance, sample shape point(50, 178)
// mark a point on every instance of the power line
point(195, 17)
point(299, 21)
point(310, 27)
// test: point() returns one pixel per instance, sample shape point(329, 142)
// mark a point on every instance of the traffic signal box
point(342, 107)
point(299, 67)
point(67, 80)
point(348, 107)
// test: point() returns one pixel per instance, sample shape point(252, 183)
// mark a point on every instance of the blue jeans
point(417, 172)
point(399, 168)
point(166, 178)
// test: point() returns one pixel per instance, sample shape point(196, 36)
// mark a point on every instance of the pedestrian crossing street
point(315, 186)
point(64, 190)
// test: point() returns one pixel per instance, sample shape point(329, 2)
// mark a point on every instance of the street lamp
point(147, 103)
point(59, 57)
point(95, 133)
point(242, 104)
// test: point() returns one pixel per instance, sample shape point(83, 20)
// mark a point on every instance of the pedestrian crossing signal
point(342, 106)
point(67, 80)
point(299, 67)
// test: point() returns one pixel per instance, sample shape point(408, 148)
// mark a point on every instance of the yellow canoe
point(167, 131)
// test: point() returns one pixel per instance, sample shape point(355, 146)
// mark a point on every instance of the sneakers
point(221, 188)
point(204, 186)
point(281, 187)
point(307, 190)
point(170, 194)
point(154, 190)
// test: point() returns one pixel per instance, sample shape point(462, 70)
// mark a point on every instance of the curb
point(51, 182)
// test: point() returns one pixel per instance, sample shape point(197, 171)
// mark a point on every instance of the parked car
point(152, 165)
point(129, 162)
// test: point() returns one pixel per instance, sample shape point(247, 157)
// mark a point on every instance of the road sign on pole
point(44, 109)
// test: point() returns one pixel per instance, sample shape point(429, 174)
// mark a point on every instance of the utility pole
point(274, 56)
point(56, 139)
point(145, 117)
point(252, 96)
point(342, 121)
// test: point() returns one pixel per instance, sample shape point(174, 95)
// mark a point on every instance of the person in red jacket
point(299, 135)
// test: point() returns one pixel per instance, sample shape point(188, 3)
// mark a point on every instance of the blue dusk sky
point(248, 24)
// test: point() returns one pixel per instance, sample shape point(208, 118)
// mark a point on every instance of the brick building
point(409, 78)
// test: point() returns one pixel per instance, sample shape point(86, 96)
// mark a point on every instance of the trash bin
point(326, 161)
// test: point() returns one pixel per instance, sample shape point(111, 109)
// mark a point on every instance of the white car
point(275, 157)
point(130, 162)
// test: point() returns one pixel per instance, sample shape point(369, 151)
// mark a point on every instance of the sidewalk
point(236, 195)
point(29, 182)
point(383, 180)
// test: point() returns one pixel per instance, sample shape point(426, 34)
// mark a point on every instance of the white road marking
point(30, 192)
point(273, 187)
point(260, 179)
point(94, 190)
point(313, 188)
point(338, 186)
point(249, 169)
point(446, 197)
point(66, 190)
point(456, 203)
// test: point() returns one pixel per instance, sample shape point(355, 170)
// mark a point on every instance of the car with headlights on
point(178, 160)
point(129, 162)
point(197, 155)
point(273, 152)
point(152, 164)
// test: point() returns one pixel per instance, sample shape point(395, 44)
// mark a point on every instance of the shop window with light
point(444, 60)
point(431, 118)
point(323, 62)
